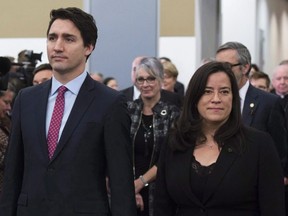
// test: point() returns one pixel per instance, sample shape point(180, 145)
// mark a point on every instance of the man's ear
point(89, 49)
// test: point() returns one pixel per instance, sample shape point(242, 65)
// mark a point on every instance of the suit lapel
point(250, 105)
point(183, 167)
point(81, 104)
point(131, 93)
point(224, 162)
point(40, 113)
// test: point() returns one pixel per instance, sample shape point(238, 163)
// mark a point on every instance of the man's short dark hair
point(261, 75)
point(82, 20)
point(41, 67)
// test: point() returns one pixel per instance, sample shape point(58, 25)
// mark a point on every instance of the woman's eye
point(207, 91)
point(225, 92)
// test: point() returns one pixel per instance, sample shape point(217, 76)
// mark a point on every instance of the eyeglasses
point(234, 65)
point(149, 80)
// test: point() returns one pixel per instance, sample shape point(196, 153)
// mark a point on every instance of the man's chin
point(59, 68)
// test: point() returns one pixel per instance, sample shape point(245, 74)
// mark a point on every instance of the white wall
point(182, 52)
point(12, 46)
point(261, 25)
point(277, 33)
point(239, 23)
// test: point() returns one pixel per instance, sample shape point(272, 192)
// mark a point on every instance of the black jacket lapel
point(250, 106)
point(224, 163)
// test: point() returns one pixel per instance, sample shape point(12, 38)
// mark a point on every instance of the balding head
point(280, 79)
point(135, 63)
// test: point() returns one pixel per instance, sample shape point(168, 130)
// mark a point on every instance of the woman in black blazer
point(213, 165)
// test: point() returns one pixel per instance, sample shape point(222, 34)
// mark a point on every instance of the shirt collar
point(136, 93)
point(243, 91)
point(73, 86)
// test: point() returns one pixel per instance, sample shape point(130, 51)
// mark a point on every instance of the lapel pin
point(163, 112)
point(251, 108)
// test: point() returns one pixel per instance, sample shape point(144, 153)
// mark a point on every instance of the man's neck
point(242, 82)
point(280, 94)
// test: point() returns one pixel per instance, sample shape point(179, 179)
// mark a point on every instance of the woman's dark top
point(143, 152)
point(199, 176)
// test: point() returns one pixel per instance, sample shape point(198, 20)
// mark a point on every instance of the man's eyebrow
point(64, 35)
point(68, 35)
point(52, 34)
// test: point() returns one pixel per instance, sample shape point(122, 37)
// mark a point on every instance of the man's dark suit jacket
point(94, 141)
point(166, 96)
point(263, 111)
point(241, 184)
point(284, 104)
point(179, 88)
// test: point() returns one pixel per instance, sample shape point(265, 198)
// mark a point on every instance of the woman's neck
point(149, 103)
point(210, 130)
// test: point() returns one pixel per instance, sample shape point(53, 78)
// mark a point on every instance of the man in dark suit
point(280, 85)
point(132, 92)
point(260, 109)
point(94, 137)
point(280, 88)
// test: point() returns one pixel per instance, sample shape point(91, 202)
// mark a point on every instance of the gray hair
point(152, 66)
point(243, 52)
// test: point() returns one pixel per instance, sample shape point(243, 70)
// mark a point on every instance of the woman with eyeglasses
point(151, 120)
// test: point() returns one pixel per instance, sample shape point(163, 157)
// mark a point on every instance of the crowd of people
point(73, 143)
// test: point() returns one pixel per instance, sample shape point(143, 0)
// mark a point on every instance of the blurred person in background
point(133, 93)
point(254, 68)
point(97, 76)
point(42, 73)
point(280, 80)
point(111, 82)
point(178, 87)
point(261, 110)
point(6, 98)
point(151, 119)
point(280, 88)
point(260, 80)
point(170, 77)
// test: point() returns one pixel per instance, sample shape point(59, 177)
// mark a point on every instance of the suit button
point(230, 150)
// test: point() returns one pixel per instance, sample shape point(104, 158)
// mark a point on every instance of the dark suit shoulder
point(37, 90)
point(129, 89)
point(172, 98)
point(255, 133)
point(128, 92)
point(265, 99)
point(257, 139)
point(266, 95)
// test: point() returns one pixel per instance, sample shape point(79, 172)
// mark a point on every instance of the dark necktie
point(55, 123)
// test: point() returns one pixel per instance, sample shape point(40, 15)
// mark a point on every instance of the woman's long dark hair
point(188, 127)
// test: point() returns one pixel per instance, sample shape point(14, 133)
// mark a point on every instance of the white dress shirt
point(70, 96)
point(242, 93)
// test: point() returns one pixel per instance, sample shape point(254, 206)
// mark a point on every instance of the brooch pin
point(163, 112)
point(251, 108)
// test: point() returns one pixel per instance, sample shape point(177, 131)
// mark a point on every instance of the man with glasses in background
point(260, 109)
